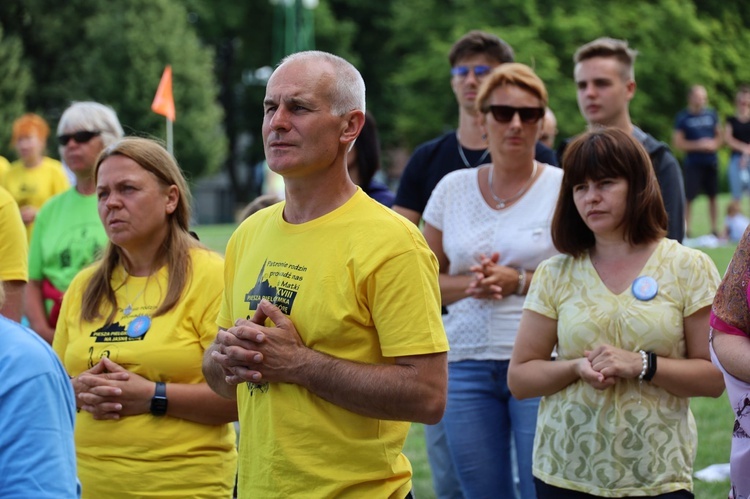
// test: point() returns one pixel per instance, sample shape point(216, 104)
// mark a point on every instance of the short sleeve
point(60, 181)
point(36, 271)
point(211, 286)
point(540, 298)
point(679, 121)
point(434, 213)
point(702, 283)
point(13, 242)
point(410, 193)
point(224, 319)
point(408, 283)
point(61, 337)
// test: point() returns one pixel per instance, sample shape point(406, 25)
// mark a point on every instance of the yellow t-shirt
point(633, 438)
point(149, 456)
point(359, 283)
point(14, 249)
point(34, 186)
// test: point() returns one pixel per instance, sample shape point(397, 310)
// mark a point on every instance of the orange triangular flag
point(163, 101)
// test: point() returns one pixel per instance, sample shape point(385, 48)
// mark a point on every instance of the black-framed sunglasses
point(480, 71)
point(504, 114)
point(80, 137)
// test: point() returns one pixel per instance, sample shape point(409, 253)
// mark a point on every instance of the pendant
point(500, 206)
point(645, 288)
point(128, 310)
point(139, 326)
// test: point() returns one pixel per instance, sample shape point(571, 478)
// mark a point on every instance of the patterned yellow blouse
point(631, 439)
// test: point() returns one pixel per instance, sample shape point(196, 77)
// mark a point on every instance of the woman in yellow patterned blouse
point(628, 312)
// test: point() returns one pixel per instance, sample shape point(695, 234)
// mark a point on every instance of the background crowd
point(562, 281)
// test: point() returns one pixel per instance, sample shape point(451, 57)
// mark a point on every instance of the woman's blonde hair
point(511, 73)
point(175, 249)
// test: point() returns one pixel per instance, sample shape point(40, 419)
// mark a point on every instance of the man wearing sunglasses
point(472, 58)
point(605, 80)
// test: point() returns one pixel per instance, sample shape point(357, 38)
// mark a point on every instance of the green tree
point(240, 53)
point(122, 61)
point(13, 87)
point(115, 54)
point(680, 42)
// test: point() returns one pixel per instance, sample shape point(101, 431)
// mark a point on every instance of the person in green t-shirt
point(68, 234)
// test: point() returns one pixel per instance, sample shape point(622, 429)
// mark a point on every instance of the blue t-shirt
point(381, 193)
point(37, 416)
point(698, 126)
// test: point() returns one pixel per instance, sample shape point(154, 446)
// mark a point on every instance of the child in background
point(735, 222)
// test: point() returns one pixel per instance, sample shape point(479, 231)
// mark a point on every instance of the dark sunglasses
point(480, 71)
point(504, 114)
point(80, 137)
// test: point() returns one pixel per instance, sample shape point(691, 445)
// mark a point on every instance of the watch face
point(159, 406)
point(159, 400)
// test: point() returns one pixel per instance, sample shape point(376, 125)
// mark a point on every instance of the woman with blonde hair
point(132, 332)
point(489, 228)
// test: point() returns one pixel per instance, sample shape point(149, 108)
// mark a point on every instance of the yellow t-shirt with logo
point(144, 455)
point(359, 283)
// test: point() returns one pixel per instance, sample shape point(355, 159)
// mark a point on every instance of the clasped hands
point(109, 391)
point(490, 279)
point(252, 352)
point(604, 365)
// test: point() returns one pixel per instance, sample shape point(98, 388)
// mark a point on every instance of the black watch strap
point(650, 366)
point(159, 400)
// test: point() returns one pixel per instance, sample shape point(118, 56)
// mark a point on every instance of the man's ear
point(355, 120)
point(630, 86)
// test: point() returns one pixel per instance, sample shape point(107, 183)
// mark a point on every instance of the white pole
point(170, 146)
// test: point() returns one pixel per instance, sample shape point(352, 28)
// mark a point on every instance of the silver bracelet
point(521, 281)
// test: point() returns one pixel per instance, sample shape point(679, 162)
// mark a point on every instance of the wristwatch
point(159, 400)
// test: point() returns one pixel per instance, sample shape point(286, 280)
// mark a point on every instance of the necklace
point(129, 308)
point(502, 203)
point(463, 156)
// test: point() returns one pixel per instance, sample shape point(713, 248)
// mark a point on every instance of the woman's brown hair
point(175, 249)
point(608, 153)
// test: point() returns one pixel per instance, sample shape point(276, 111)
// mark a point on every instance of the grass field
point(713, 416)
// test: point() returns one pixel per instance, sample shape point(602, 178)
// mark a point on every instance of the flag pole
point(164, 104)
point(170, 142)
